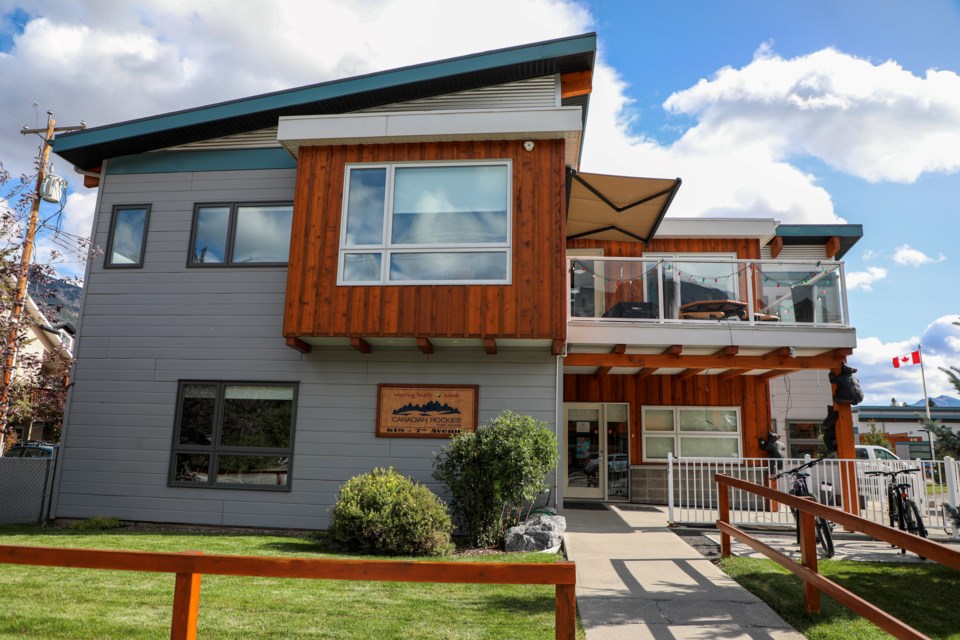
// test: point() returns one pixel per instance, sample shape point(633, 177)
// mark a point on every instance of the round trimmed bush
point(385, 513)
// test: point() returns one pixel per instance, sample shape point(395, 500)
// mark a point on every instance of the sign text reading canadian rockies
point(425, 411)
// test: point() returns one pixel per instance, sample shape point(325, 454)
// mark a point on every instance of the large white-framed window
point(427, 223)
point(690, 432)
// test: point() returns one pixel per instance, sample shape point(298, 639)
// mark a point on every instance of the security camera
point(529, 145)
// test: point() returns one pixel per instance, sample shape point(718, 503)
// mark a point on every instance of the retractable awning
point(603, 207)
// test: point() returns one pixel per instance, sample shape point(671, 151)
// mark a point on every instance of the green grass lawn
point(53, 602)
point(925, 596)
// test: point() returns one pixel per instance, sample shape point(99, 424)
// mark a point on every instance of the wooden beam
point(601, 372)
point(490, 346)
point(833, 246)
point(712, 361)
point(646, 372)
point(731, 350)
point(619, 348)
point(776, 246)
point(673, 350)
point(577, 83)
point(769, 375)
point(731, 374)
point(299, 345)
point(556, 347)
point(839, 354)
point(425, 345)
point(360, 345)
point(92, 182)
point(782, 352)
point(688, 373)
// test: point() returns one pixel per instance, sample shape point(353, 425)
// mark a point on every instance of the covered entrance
point(597, 443)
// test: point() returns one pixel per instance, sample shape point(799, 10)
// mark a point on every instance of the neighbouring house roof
point(603, 207)
point(810, 234)
point(906, 414)
point(87, 149)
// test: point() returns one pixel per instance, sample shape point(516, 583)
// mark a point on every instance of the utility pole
point(26, 256)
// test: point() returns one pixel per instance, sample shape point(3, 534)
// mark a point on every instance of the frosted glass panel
point(616, 413)
point(658, 419)
point(655, 447)
point(693, 447)
point(707, 419)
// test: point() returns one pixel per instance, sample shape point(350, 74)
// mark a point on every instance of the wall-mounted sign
point(426, 410)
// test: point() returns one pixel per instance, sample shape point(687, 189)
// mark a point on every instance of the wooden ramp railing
point(813, 582)
point(191, 565)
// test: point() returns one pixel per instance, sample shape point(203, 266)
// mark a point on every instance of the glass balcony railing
point(708, 290)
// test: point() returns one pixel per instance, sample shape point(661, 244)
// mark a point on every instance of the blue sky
point(807, 111)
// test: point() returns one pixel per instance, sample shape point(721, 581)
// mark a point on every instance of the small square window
point(128, 236)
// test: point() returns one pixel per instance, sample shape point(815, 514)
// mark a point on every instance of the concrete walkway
point(636, 579)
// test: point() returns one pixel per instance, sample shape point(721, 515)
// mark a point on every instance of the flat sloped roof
point(87, 149)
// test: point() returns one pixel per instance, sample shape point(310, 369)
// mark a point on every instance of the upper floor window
point(128, 236)
point(427, 223)
point(241, 234)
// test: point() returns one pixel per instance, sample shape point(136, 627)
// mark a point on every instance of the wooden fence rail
point(190, 566)
point(806, 569)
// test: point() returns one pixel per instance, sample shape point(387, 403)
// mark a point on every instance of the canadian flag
point(910, 358)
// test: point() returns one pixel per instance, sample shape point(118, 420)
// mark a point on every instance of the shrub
point(96, 523)
point(385, 513)
point(493, 473)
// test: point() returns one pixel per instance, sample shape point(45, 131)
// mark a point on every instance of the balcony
point(708, 301)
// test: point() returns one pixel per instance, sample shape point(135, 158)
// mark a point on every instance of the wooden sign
point(426, 410)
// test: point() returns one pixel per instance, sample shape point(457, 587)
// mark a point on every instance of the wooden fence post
point(808, 558)
point(566, 612)
point(723, 495)
point(186, 605)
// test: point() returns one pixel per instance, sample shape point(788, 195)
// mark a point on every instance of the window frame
point(386, 249)
point(676, 434)
point(214, 450)
point(228, 262)
point(107, 260)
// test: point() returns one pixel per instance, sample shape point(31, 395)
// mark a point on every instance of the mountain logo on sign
point(431, 408)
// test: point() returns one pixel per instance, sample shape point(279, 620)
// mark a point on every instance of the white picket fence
point(692, 492)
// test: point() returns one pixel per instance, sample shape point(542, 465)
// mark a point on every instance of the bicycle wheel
point(914, 521)
point(824, 537)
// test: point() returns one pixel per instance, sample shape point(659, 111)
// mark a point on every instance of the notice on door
point(426, 411)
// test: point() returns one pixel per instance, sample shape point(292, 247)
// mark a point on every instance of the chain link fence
point(25, 484)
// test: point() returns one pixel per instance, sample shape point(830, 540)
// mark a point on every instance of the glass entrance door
point(597, 443)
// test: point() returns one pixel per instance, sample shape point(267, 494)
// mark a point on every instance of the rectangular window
point(128, 236)
point(427, 224)
point(241, 235)
point(691, 432)
point(804, 438)
point(234, 435)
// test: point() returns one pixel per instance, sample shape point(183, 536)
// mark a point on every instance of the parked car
point(32, 449)
point(872, 452)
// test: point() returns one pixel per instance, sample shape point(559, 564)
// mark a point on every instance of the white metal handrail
point(692, 497)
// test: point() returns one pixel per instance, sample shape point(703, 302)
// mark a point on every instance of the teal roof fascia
point(820, 230)
point(332, 89)
point(216, 160)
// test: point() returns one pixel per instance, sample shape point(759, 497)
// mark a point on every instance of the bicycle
point(799, 488)
point(902, 510)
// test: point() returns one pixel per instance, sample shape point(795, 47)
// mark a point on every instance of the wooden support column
point(186, 604)
point(846, 451)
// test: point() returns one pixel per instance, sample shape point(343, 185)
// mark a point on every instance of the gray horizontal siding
point(143, 330)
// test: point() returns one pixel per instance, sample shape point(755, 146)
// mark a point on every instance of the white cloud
point(907, 255)
point(880, 380)
point(864, 280)
point(875, 121)
point(869, 255)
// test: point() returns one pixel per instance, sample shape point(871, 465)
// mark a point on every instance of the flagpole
point(923, 377)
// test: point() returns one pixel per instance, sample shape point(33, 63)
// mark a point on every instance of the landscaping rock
point(537, 534)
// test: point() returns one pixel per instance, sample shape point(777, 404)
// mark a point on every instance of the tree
point(893, 402)
point(876, 437)
point(36, 390)
point(946, 440)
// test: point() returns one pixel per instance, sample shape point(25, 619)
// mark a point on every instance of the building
point(904, 426)
point(301, 286)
